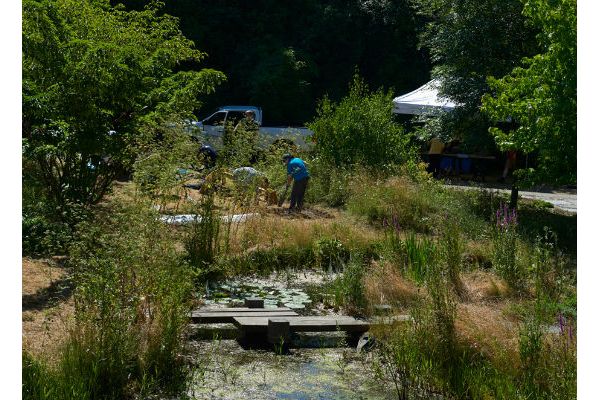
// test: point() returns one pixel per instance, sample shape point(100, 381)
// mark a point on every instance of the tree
point(94, 78)
point(284, 55)
point(541, 96)
point(469, 40)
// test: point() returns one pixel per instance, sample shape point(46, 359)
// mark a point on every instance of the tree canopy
point(92, 76)
point(469, 40)
point(284, 55)
point(541, 95)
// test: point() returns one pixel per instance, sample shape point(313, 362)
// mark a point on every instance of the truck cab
point(214, 124)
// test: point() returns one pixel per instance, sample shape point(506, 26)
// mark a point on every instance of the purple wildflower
point(570, 333)
point(561, 323)
point(506, 217)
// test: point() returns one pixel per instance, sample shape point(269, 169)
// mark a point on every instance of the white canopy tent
point(423, 101)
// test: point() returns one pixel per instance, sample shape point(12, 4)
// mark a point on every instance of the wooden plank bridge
point(276, 325)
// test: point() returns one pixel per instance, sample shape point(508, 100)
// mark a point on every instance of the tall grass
point(413, 254)
point(451, 243)
point(347, 290)
point(204, 238)
point(131, 303)
point(505, 254)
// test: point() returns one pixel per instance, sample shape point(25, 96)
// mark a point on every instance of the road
point(566, 201)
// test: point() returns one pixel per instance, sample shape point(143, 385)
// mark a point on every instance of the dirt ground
point(47, 305)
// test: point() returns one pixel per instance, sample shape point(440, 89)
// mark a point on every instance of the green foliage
point(331, 186)
point(156, 168)
point(330, 254)
point(204, 238)
point(265, 261)
point(240, 144)
point(541, 95)
point(130, 304)
point(48, 229)
point(347, 289)
point(451, 244)
point(468, 41)
point(403, 203)
point(360, 130)
point(91, 74)
point(548, 364)
point(412, 254)
point(38, 382)
point(282, 56)
point(506, 260)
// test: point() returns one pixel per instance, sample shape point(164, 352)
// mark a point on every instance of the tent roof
point(423, 101)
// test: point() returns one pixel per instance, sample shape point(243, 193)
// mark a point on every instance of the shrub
point(360, 129)
point(451, 244)
point(48, 228)
point(330, 254)
point(548, 364)
point(397, 198)
point(329, 185)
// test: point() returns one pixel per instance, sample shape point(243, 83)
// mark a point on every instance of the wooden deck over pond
point(260, 324)
point(222, 315)
point(277, 324)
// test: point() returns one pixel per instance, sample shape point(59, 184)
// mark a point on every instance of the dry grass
point(274, 228)
point(47, 307)
point(484, 286)
point(486, 329)
point(385, 285)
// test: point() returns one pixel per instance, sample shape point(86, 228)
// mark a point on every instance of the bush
point(360, 130)
point(48, 228)
point(330, 254)
point(329, 185)
point(409, 205)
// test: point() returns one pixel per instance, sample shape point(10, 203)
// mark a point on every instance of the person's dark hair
point(286, 157)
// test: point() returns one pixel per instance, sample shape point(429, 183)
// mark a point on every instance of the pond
point(318, 366)
point(227, 371)
point(278, 290)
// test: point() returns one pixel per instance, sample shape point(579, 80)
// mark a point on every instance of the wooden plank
point(239, 309)
point(303, 324)
point(227, 316)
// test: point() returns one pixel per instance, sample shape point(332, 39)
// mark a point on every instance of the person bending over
point(296, 171)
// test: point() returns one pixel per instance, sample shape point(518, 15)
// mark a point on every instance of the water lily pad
point(294, 306)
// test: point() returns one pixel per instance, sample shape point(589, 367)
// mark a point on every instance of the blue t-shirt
point(297, 169)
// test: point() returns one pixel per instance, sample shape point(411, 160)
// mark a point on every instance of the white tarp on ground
point(423, 101)
point(189, 218)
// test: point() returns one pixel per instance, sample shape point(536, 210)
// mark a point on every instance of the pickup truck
point(210, 129)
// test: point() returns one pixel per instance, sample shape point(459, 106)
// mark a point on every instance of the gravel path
point(566, 201)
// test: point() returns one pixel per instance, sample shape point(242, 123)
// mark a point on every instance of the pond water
point(227, 371)
point(318, 366)
point(278, 290)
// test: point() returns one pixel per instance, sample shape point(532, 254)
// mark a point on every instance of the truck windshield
point(215, 119)
point(233, 117)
